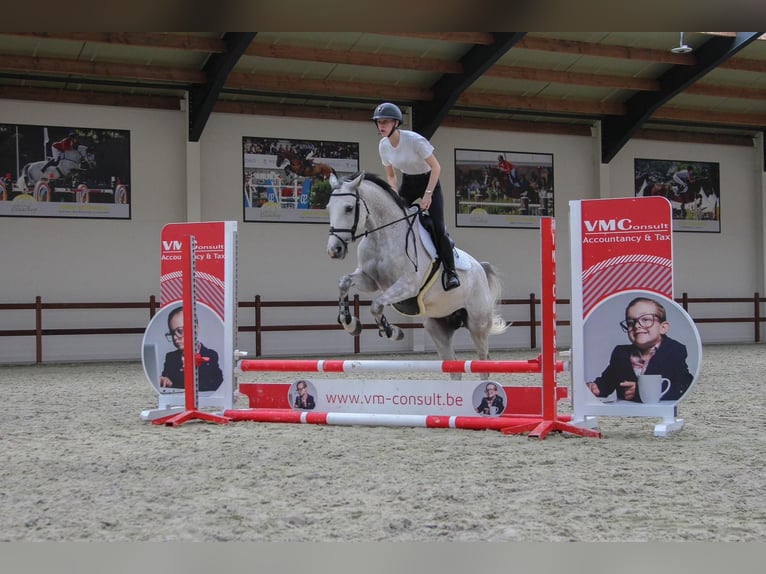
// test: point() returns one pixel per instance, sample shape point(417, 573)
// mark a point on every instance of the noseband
point(352, 230)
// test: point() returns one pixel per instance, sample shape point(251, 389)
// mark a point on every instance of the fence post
point(257, 325)
point(685, 301)
point(357, 340)
point(757, 316)
point(532, 322)
point(39, 329)
point(152, 306)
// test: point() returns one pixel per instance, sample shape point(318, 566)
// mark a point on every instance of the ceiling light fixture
point(681, 48)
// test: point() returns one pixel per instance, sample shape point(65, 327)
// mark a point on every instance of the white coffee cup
point(650, 387)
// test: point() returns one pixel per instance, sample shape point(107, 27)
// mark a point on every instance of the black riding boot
point(449, 275)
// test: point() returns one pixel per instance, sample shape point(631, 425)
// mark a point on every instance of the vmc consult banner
point(626, 328)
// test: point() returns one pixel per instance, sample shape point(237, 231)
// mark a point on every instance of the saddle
point(413, 306)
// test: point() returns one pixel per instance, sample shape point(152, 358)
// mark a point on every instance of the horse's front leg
point(403, 289)
point(349, 322)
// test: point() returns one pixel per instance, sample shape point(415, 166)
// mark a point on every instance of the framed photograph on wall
point(285, 180)
point(502, 188)
point(693, 188)
point(69, 172)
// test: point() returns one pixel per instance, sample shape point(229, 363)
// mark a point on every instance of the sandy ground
point(78, 464)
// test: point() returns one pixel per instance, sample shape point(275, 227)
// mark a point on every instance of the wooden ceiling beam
point(691, 137)
point(417, 63)
point(721, 91)
point(541, 104)
point(572, 78)
point(466, 122)
point(745, 65)
point(483, 38)
point(293, 85)
point(111, 70)
point(147, 39)
point(707, 117)
point(90, 98)
point(291, 110)
point(606, 51)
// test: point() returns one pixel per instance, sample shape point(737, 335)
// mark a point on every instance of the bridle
point(352, 230)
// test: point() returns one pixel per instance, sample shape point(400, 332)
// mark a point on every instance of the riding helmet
point(387, 110)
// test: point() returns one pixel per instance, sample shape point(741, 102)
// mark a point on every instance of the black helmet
point(387, 110)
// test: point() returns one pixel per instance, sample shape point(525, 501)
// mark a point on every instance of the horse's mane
point(380, 182)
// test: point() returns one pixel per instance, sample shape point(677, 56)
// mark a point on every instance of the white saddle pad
point(461, 257)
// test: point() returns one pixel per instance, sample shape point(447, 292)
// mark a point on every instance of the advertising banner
point(215, 277)
point(636, 352)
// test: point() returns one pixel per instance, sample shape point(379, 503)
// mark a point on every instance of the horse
point(298, 167)
point(680, 199)
point(71, 162)
point(394, 263)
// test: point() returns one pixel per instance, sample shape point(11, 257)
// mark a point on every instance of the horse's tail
point(499, 325)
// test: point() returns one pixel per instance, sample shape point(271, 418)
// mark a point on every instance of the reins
point(352, 230)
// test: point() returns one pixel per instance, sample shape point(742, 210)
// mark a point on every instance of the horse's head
point(346, 214)
point(87, 159)
point(285, 154)
point(90, 159)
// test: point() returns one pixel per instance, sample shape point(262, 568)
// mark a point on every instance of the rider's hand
point(425, 203)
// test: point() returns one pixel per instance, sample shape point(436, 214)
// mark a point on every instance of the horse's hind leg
point(387, 330)
point(441, 331)
point(480, 337)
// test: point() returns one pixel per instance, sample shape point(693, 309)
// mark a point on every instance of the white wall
point(112, 260)
point(67, 260)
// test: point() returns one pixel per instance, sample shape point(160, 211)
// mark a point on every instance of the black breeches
point(414, 186)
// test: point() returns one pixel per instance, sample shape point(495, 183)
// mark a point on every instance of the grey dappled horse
point(394, 264)
point(71, 161)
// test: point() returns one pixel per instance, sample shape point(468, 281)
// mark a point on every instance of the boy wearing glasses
point(651, 352)
point(209, 372)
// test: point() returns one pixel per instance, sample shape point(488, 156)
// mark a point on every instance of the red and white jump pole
point(349, 366)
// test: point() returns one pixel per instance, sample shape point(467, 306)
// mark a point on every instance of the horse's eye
point(349, 209)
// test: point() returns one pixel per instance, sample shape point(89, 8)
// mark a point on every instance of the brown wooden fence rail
point(259, 326)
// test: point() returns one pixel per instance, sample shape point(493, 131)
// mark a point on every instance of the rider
point(308, 156)
point(412, 154)
point(683, 178)
point(59, 148)
point(509, 170)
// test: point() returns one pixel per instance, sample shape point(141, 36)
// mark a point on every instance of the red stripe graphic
point(645, 272)
point(210, 290)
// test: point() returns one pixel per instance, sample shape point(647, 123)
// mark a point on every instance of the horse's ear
point(334, 183)
point(357, 180)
